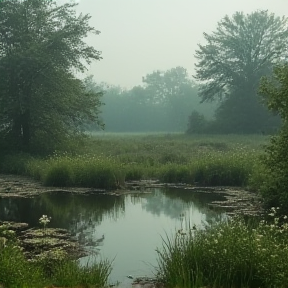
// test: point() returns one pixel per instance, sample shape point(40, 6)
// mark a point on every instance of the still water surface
point(126, 229)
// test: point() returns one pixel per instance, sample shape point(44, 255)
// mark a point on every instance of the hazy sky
point(140, 36)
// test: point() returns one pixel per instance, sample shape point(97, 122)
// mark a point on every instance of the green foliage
point(197, 124)
point(275, 186)
point(16, 271)
point(214, 169)
point(231, 64)
point(83, 171)
point(70, 274)
point(52, 267)
point(244, 114)
point(228, 254)
point(163, 103)
point(107, 162)
point(14, 163)
point(275, 160)
point(42, 103)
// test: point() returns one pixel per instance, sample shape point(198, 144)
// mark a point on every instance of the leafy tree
point(275, 184)
point(41, 47)
point(241, 50)
point(175, 90)
point(129, 111)
point(164, 85)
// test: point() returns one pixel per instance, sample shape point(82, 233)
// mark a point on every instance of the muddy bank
point(236, 200)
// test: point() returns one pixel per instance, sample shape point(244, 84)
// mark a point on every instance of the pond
point(124, 228)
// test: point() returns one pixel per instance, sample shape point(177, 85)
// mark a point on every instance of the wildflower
point(285, 217)
point(216, 241)
point(276, 220)
point(44, 220)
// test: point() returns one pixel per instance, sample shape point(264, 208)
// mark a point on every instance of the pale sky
point(140, 36)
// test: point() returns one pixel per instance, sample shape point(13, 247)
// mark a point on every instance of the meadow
point(231, 253)
point(108, 160)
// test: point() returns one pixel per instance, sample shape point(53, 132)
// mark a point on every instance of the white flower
point(44, 220)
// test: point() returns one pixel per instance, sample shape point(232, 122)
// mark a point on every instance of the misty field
point(108, 160)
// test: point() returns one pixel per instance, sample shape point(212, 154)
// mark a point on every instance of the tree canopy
point(241, 50)
point(42, 46)
point(163, 103)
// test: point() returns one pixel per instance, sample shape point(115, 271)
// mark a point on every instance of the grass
point(17, 272)
point(108, 161)
point(227, 254)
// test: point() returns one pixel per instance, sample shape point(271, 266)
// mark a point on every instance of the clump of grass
point(50, 267)
point(16, 271)
point(229, 169)
point(82, 171)
point(70, 274)
point(227, 254)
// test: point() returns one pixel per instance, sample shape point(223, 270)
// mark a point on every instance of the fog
point(140, 36)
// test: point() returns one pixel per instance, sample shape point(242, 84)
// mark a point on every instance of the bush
point(274, 188)
point(197, 124)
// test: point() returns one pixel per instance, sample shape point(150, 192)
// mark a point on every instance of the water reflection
point(126, 228)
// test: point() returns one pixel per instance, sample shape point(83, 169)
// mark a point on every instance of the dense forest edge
point(226, 126)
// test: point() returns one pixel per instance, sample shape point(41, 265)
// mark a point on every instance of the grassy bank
point(17, 272)
point(227, 254)
point(48, 269)
point(109, 161)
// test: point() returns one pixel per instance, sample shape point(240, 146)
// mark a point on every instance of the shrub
point(274, 188)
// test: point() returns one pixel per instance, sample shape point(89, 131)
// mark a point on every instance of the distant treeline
point(163, 103)
point(169, 101)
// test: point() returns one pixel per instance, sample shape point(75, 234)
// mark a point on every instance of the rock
point(15, 226)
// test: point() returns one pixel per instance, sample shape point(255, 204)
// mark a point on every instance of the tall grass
point(17, 272)
point(227, 254)
point(70, 274)
point(107, 162)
